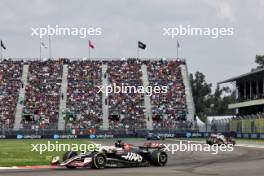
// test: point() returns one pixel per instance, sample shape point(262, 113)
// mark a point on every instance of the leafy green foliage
point(259, 60)
point(208, 103)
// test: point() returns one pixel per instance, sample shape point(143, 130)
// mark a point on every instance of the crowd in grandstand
point(129, 106)
point(10, 74)
point(43, 94)
point(83, 99)
point(169, 110)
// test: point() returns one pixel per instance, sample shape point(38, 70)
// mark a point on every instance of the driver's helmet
point(120, 144)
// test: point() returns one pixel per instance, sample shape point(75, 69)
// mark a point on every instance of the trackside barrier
point(247, 126)
point(131, 135)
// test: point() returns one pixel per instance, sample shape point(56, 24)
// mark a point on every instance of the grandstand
point(249, 103)
point(35, 94)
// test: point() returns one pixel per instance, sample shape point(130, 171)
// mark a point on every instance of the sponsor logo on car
point(133, 157)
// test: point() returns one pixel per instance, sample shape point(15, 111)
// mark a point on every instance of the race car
point(220, 139)
point(152, 136)
point(119, 155)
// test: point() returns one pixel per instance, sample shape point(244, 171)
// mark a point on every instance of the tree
point(259, 59)
point(208, 103)
point(219, 101)
point(201, 91)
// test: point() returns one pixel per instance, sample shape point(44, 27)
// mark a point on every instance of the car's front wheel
point(98, 161)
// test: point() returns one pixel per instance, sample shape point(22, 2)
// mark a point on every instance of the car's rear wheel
point(233, 142)
point(98, 161)
point(158, 158)
point(69, 155)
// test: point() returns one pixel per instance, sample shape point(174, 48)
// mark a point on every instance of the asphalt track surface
point(242, 161)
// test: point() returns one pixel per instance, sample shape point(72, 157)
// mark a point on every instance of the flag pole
point(1, 50)
point(137, 52)
point(40, 48)
point(89, 53)
point(89, 50)
point(49, 47)
point(177, 50)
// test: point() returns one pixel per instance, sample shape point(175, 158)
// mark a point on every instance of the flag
point(43, 45)
point(90, 44)
point(178, 44)
point(2, 45)
point(141, 45)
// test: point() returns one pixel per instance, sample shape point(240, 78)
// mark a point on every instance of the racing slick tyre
point(158, 158)
point(98, 161)
point(69, 155)
point(234, 143)
point(209, 141)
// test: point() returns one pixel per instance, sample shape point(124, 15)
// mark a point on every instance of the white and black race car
point(220, 139)
point(120, 155)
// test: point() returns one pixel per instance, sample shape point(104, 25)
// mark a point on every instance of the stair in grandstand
point(19, 107)
point(104, 99)
point(63, 97)
point(148, 115)
point(188, 93)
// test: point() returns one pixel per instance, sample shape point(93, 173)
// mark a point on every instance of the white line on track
point(238, 145)
point(7, 168)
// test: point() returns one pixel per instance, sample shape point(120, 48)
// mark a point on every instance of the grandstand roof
point(242, 76)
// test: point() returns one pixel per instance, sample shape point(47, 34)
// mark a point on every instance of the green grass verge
point(18, 152)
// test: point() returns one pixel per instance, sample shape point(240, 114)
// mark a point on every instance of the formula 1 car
point(120, 155)
point(220, 139)
point(152, 136)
